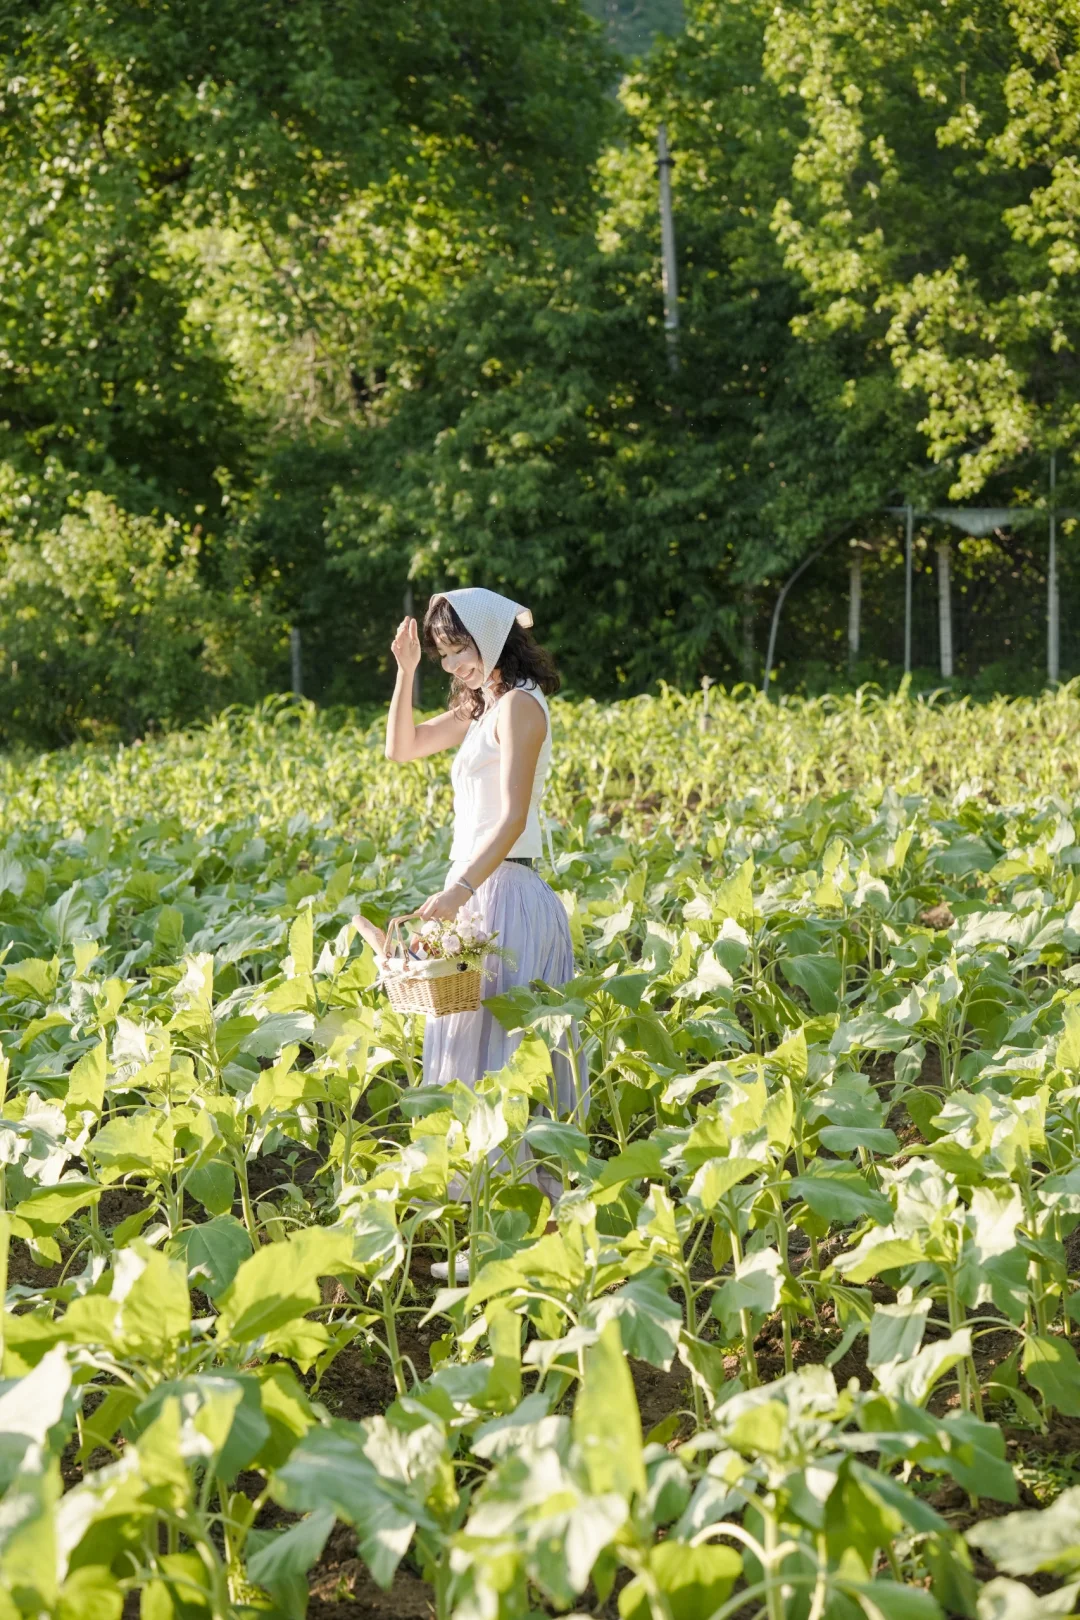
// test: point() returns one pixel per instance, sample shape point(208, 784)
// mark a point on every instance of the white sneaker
point(440, 1269)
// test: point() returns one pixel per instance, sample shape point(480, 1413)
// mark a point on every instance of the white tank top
point(477, 793)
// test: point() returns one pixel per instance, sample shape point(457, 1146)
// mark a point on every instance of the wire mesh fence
point(987, 629)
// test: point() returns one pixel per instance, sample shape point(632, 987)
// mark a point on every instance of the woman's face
point(461, 663)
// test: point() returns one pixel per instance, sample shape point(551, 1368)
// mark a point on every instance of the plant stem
point(390, 1323)
point(240, 1164)
point(774, 1596)
point(745, 1326)
point(785, 1310)
point(692, 1328)
point(967, 1376)
point(613, 1106)
point(815, 1258)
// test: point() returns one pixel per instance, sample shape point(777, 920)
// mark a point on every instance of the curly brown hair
point(521, 660)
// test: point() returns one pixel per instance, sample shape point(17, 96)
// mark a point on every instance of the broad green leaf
point(280, 1282)
point(504, 1335)
point(791, 1056)
point(134, 1142)
point(214, 1185)
point(718, 1176)
point(755, 1287)
point(86, 1083)
point(49, 1207)
point(735, 896)
point(628, 989)
point(329, 1470)
point(152, 1294)
point(841, 1192)
point(100, 1426)
point(32, 979)
point(978, 1461)
point(639, 1162)
point(695, 1581)
point(28, 1533)
point(1003, 1599)
point(30, 1408)
point(226, 1411)
point(896, 1331)
point(556, 1139)
point(877, 1252)
point(183, 1593)
point(1025, 1543)
point(301, 943)
point(1052, 1367)
point(645, 1032)
point(282, 1558)
point(278, 1030)
point(606, 1424)
point(761, 1427)
point(909, 1508)
point(287, 1410)
point(212, 1253)
point(847, 1139)
point(895, 1602)
point(551, 1263)
point(649, 1321)
point(91, 1592)
point(378, 1248)
point(913, 1379)
point(818, 975)
point(1067, 1051)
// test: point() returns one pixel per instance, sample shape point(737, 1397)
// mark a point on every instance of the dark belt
point(521, 860)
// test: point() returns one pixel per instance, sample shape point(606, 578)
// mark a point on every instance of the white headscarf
point(487, 617)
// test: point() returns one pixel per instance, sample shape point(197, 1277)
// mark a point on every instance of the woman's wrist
point(463, 883)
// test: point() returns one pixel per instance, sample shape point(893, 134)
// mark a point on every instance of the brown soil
point(342, 1589)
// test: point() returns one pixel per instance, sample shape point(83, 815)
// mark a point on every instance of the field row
point(801, 1344)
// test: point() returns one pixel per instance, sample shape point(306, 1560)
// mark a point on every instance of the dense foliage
point(330, 301)
point(823, 1196)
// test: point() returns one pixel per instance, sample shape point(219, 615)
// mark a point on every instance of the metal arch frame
point(780, 600)
point(909, 513)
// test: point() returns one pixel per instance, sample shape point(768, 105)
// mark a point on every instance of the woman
point(498, 720)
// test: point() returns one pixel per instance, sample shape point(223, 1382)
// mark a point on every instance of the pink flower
point(452, 944)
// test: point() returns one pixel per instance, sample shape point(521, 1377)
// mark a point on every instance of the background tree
point(932, 203)
point(342, 300)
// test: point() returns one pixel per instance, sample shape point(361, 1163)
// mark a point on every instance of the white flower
point(452, 944)
point(468, 929)
point(430, 929)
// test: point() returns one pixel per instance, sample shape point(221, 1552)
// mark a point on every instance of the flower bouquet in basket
point(440, 969)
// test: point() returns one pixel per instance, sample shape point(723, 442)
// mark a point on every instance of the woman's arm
point(405, 739)
point(520, 728)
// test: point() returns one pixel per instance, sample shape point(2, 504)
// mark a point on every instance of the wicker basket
point(435, 987)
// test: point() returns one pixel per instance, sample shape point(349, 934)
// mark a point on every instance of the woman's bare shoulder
point(519, 712)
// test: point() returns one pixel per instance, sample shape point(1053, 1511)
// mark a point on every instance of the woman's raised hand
point(406, 646)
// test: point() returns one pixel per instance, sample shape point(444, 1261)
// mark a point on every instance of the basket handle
point(394, 940)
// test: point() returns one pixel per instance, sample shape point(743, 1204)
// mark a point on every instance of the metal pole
point(944, 557)
point(909, 546)
point(1053, 609)
point(854, 623)
point(297, 664)
point(409, 610)
point(667, 245)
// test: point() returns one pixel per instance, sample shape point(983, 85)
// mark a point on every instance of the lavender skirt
point(528, 917)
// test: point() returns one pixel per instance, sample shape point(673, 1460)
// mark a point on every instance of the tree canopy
point(304, 304)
